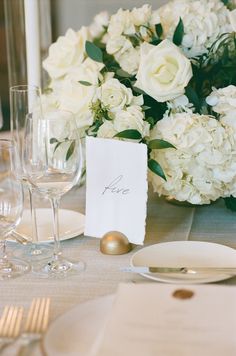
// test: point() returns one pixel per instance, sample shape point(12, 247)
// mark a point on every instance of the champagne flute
point(53, 164)
point(25, 99)
point(11, 207)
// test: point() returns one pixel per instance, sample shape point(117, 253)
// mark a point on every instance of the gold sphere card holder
point(115, 243)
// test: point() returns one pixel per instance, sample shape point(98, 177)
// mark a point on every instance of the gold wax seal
point(183, 294)
point(114, 243)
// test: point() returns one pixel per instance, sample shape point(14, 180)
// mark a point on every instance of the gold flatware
point(38, 317)
point(36, 323)
point(180, 270)
point(10, 324)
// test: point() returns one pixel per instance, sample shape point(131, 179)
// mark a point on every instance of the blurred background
point(60, 15)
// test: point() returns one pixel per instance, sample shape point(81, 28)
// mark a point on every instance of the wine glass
point(53, 164)
point(25, 99)
point(11, 207)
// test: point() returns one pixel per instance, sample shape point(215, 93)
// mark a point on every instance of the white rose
point(114, 95)
point(49, 102)
point(67, 52)
point(100, 22)
point(132, 118)
point(129, 60)
point(141, 15)
point(145, 33)
point(118, 44)
point(121, 22)
point(76, 97)
point(232, 18)
point(164, 71)
point(106, 130)
point(155, 18)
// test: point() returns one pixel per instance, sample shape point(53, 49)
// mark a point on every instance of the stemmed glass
point(11, 207)
point(53, 164)
point(25, 99)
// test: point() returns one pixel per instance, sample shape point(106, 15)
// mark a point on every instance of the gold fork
point(36, 321)
point(10, 324)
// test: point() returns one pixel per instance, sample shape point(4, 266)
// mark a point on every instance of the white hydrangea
point(223, 100)
point(202, 166)
point(180, 104)
point(203, 22)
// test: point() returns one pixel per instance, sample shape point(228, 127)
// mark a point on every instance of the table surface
point(165, 222)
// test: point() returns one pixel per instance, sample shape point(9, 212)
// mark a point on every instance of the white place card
point(169, 320)
point(116, 190)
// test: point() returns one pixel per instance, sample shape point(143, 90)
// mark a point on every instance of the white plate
point(74, 333)
point(71, 224)
point(184, 254)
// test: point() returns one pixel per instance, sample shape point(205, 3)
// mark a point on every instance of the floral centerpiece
point(165, 77)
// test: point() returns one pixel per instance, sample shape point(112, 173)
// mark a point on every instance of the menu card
point(116, 188)
point(170, 320)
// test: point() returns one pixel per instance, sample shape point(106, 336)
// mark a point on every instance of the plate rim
point(72, 235)
point(166, 279)
point(108, 298)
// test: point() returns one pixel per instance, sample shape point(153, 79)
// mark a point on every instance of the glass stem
point(33, 217)
point(57, 245)
point(3, 258)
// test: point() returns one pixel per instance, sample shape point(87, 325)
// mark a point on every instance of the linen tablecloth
point(165, 222)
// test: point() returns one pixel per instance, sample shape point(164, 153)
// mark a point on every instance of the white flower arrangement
point(165, 77)
point(200, 169)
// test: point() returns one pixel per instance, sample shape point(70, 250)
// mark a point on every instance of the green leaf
point(151, 121)
point(47, 90)
point(132, 134)
point(83, 82)
point(139, 91)
point(159, 144)
point(57, 145)
point(123, 74)
point(179, 33)
point(53, 140)
point(193, 97)
point(159, 29)
point(155, 41)
point(70, 150)
point(230, 203)
point(155, 167)
point(94, 52)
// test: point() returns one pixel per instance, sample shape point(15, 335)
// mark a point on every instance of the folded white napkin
point(170, 320)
